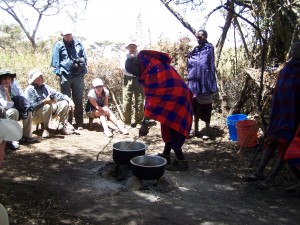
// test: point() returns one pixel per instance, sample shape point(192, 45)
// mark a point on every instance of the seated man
point(97, 106)
point(48, 103)
point(10, 130)
point(15, 105)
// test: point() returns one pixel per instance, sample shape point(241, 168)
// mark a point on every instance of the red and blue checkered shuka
point(168, 98)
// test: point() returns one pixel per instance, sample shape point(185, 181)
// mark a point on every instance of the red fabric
point(168, 98)
point(293, 150)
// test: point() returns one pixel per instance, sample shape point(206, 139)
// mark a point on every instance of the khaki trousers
point(13, 114)
point(133, 88)
point(47, 112)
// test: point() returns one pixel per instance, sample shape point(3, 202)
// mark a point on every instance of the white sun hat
point(66, 31)
point(10, 130)
point(97, 82)
point(131, 42)
point(33, 74)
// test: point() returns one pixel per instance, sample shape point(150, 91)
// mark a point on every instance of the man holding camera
point(69, 63)
point(47, 103)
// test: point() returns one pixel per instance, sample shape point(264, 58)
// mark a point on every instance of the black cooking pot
point(147, 167)
point(123, 151)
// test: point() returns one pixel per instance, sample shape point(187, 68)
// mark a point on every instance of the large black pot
point(147, 167)
point(123, 151)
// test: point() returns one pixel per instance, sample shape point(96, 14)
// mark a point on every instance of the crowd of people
point(159, 93)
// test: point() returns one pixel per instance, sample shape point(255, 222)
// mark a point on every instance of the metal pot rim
point(145, 166)
point(133, 150)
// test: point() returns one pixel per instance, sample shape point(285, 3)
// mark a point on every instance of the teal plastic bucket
point(231, 121)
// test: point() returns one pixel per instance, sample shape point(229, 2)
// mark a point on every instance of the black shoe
point(178, 165)
point(266, 184)
point(167, 157)
point(28, 139)
point(12, 145)
point(254, 177)
point(133, 125)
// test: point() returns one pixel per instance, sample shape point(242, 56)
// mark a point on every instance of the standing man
point(284, 120)
point(202, 80)
point(132, 87)
point(70, 64)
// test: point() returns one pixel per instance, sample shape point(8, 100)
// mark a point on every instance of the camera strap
point(68, 50)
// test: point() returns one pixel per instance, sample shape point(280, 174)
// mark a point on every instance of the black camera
point(78, 66)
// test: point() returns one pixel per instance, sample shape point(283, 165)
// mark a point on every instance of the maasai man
point(292, 156)
point(168, 100)
point(284, 120)
point(202, 81)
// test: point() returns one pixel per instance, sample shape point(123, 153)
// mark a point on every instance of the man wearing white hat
point(131, 87)
point(10, 130)
point(69, 62)
point(47, 103)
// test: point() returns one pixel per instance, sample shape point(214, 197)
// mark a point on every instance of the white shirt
point(15, 90)
point(100, 101)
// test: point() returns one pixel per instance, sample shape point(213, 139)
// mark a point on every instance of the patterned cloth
point(168, 99)
point(201, 70)
point(293, 151)
point(285, 109)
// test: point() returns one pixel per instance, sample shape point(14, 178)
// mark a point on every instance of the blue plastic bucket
point(231, 121)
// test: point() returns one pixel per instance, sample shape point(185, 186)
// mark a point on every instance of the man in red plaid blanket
point(168, 100)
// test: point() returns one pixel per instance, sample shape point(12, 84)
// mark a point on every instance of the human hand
point(106, 110)
point(71, 104)
point(144, 130)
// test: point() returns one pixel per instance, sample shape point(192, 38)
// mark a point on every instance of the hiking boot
point(266, 184)
point(167, 157)
point(70, 126)
point(45, 134)
point(66, 131)
point(123, 130)
point(205, 137)
point(254, 177)
point(133, 125)
point(178, 165)
point(28, 139)
point(108, 134)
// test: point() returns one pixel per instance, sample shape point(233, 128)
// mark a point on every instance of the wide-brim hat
point(97, 82)
point(66, 31)
point(7, 72)
point(10, 130)
point(33, 74)
point(131, 42)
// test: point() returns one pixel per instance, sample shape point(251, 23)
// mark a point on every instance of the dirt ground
point(57, 181)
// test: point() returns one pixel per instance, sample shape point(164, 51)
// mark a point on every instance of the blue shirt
point(36, 94)
point(62, 61)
